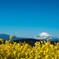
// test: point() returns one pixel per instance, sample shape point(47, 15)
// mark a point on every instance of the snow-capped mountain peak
point(44, 34)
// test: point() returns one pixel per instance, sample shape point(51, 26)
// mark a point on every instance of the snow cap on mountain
point(44, 34)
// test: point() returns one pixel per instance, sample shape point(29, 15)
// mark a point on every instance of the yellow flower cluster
point(41, 50)
point(1, 40)
point(11, 37)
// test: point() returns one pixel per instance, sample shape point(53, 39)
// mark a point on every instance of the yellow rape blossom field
point(41, 50)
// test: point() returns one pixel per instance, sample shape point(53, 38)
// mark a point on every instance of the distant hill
point(43, 36)
point(6, 37)
point(30, 41)
point(27, 40)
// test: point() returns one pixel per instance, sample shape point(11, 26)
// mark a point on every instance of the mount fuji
point(45, 36)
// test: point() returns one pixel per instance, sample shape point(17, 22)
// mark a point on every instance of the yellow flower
point(41, 41)
point(11, 37)
point(1, 40)
point(46, 50)
point(47, 40)
point(39, 38)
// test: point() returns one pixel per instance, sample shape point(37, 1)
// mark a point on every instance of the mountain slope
point(45, 36)
point(6, 37)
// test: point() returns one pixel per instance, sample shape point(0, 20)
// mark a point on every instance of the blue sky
point(28, 18)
